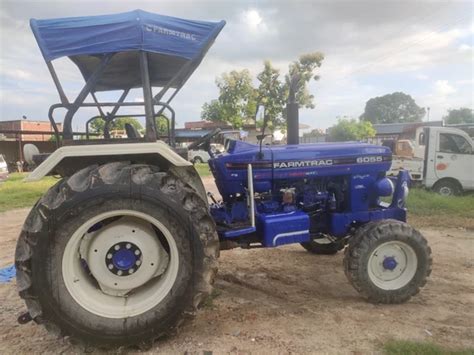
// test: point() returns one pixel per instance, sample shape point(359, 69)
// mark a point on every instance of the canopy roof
point(172, 42)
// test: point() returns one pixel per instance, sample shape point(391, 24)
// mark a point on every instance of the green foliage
point(212, 111)
point(238, 99)
point(314, 133)
point(236, 102)
point(303, 70)
point(405, 347)
point(162, 125)
point(351, 130)
point(461, 115)
point(118, 124)
point(271, 94)
point(392, 108)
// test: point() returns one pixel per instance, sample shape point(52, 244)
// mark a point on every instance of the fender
point(122, 150)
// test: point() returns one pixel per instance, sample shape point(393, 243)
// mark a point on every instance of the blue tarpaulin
point(7, 274)
point(129, 31)
point(171, 43)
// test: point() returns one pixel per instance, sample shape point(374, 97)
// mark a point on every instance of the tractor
point(125, 244)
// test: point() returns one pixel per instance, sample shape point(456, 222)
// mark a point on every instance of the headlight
point(384, 187)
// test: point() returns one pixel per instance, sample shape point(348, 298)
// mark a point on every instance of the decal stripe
point(289, 234)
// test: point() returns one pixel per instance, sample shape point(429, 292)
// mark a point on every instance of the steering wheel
point(204, 141)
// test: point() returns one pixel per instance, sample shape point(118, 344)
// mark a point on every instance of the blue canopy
point(171, 41)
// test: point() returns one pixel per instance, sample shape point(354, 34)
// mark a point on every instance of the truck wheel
point(322, 246)
point(197, 160)
point(447, 188)
point(116, 255)
point(387, 261)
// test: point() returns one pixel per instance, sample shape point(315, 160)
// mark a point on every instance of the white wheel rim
point(392, 265)
point(445, 191)
point(125, 295)
point(322, 241)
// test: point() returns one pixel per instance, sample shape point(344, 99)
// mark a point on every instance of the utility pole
point(428, 113)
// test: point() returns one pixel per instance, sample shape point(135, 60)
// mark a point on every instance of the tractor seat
point(131, 131)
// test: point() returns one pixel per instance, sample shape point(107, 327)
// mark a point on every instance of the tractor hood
point(294, 162)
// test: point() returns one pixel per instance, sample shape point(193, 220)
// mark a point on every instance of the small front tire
point(447, 188)
point(322, 246)
point(388, 261)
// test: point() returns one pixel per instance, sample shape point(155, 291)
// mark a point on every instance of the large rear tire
point(387, 261)
point(116, 254)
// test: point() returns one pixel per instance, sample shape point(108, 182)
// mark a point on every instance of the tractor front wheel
point(116, 254)
point(387, 261)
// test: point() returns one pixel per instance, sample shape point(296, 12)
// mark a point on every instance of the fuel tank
point(289, 163)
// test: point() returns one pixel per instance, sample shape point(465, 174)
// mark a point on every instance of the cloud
point(371, 48)
point(422, 77)
point(443, 88)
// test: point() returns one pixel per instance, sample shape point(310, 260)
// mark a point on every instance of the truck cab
point(449, 160)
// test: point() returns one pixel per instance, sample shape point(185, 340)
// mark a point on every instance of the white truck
point(442, 159)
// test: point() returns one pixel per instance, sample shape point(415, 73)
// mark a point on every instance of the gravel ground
point(286, 300)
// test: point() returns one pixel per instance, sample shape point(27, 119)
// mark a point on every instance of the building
point(28, 126)
point(15, 134)
point(197, 125)
point(396, 131)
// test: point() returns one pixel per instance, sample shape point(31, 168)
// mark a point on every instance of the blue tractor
point(125, 244)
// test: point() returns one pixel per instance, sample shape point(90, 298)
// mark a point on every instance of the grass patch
point(403, 347)
point(14, 193)
point(427, 203)
point(203, 169)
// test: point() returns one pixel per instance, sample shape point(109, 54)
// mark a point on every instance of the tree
point(237, 99)
point(392, 108)
point(118, 124)
point(303, 69)
point(317, 132)
point(461, 115)
point(351, 130)
point(212, 111)
point(271, 94)
point(162, 125)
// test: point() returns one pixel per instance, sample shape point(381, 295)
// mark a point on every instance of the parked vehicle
point(440, 158)
point(3, 169)
point(125, 245)
point(202, 156)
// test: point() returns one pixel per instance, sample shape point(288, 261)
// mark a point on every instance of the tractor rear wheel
point(322, 246)
point(387, 261)
point(116, 254)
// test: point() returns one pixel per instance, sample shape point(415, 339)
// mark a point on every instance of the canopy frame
point(150, 102)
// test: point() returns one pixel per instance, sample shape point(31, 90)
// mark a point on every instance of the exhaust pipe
point(292, 113)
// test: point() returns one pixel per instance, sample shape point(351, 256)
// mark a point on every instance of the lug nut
point(137, 252)
point(109, 256)
point(110, 266)
point(131, 271)
point(128, 246)
point(138, 262)
point(117, 247)
point(119, 273)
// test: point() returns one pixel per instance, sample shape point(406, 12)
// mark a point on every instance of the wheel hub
point(123, 258)
point(123, 255)
point(389, 263)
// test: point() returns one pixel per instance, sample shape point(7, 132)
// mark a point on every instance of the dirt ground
point(285, 300)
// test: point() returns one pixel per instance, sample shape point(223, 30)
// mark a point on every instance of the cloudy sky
point(423, 48)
